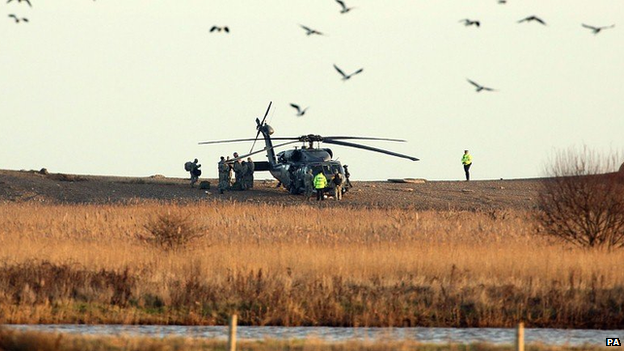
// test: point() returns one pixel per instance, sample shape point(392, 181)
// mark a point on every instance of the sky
point(129, 88)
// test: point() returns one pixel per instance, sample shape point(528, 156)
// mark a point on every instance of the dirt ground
point(23, 186)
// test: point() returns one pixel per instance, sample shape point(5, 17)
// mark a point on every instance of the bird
point(218, 29)
point(17, 20)
point(532, 18)
point(597, 30)
point(310, 31)
point(345, 9)
point(299, 111)
point(480, 87)
point(468, 22)
point(502, 2)
point(26, 1)
point(346, 77)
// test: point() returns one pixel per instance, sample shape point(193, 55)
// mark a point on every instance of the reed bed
point(300, 265)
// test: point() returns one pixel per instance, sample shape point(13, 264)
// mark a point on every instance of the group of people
point(243, 173)
point(319, 183)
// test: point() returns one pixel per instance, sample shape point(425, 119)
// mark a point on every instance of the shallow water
point(425, 335)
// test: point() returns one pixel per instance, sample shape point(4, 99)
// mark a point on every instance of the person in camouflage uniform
point(224, 179)
point(338, 179)
point(243, 175)
point(248, 177)
point(308, 182)
point(238, 173)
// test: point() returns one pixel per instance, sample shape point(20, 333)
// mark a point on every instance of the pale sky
point(129, 87)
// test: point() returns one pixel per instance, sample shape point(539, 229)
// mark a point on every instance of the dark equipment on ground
point(290, 166)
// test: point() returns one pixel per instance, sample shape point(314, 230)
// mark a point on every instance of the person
point(229, 175)
point(224, 170)
point(320, 182)
point(337, 180)
point(243, 175)
point(238, 173)
point(193, 169)
point(347, 175)
point(467, 162)
point(308, 182)
point(249, 178)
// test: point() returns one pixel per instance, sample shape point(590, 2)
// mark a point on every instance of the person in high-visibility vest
point(467, 162)
point(320, 182)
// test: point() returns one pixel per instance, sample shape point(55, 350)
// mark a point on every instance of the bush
point(583, 203)
point(172, 230)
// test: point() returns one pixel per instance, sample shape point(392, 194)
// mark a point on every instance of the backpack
point(188, 166)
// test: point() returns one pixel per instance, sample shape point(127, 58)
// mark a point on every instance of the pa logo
point(613, 342)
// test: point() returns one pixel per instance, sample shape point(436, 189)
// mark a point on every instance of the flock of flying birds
point(345, 9)
point(15, 17)
point(466, 22)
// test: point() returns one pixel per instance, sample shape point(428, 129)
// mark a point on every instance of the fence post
point(232, 334)
point(520, 337)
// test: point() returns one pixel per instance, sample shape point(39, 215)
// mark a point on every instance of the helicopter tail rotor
point(259, 125)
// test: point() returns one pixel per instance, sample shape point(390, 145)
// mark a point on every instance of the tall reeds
point(301, 265)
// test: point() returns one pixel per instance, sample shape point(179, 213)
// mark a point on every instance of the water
point(575, 337)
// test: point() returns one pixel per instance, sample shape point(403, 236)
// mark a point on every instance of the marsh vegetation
point(300, 265)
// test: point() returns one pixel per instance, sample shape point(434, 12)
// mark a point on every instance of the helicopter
point(290, 166)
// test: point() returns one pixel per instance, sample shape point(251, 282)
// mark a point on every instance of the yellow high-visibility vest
point(320, 182)
point(466, 159)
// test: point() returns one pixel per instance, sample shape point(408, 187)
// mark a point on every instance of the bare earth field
point(22, 186)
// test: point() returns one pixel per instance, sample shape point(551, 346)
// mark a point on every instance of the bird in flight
point(299, 111)
point(345, 9)
point(17, 20)
point(26, 1)
point(344, 76)
point(479, 86)
point(468, 22)
point(597, 30)
point(532, 18)
point(310, 31)
point(218, 29)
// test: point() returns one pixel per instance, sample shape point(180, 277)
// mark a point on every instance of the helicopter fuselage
point(292, 165)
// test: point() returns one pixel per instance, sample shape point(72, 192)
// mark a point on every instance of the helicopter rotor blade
point(260, 125)
point(259, 151)
point(362, 138)
point(369, 148)
point(225, 141)
point(247, 139)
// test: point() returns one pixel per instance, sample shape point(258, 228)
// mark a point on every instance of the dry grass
point(303, 265)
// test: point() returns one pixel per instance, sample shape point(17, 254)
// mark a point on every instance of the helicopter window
point(315, 169)
point(335, 168)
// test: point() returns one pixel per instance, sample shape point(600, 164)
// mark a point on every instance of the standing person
point(224, 170)
point(250, 172)
point(347, 175)
point(238, 173)
point(337, 180)
point(308, 183)
point(243, 176)
point(467, 162)
point(320, 182)
point(193, 169)
point(229, 175)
